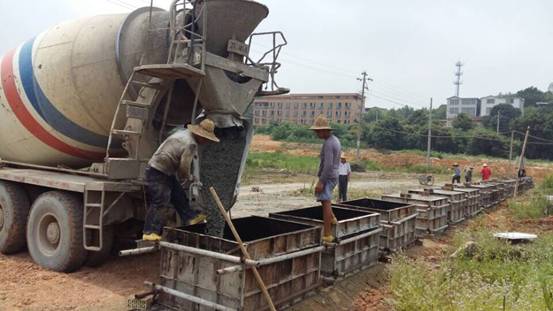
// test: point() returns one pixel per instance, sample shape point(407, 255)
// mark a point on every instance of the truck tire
point(14, 209)
point(55, 231)
point(98, 258)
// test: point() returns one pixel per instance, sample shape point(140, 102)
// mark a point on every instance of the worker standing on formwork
point(468, 174)
point(486, 172)
point(176, 155)
point(456, 174)
point(328, 173)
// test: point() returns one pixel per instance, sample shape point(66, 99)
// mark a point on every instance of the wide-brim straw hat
point(321, 123)
point(205, 129)
point(485, 164)
point(343, 156)
point(455, 164)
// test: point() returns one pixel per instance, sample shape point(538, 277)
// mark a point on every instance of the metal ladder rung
point(93, 205)
point(146, 84)
point(125, 132)
point(92, 227)
point(136, 104)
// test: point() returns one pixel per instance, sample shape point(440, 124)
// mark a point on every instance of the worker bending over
point(174, 157)
point(328, 173)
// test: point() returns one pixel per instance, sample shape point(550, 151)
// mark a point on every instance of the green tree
point(484, 141)
point(463, 122)
point(387, 133)
point(531, 96)
point(507, 114)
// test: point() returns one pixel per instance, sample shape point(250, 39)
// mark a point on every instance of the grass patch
point(282, 161)
point(493, 275)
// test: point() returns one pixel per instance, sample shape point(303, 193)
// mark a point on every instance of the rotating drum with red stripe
point(59, 90)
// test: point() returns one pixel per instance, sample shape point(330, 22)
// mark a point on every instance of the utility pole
point(458, 82)
point(428, 145)
point(511, 149)
point(360, 123)
point(498, 116)
point(520, 161)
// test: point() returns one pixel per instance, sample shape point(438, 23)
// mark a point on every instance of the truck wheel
point(14, 209)
point(96, 259)
point(55, 231)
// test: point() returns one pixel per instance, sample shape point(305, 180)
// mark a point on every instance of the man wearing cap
point(486, 172)
point(174, 158)
point(456, 174)
point(328, 173)
point(344, 171)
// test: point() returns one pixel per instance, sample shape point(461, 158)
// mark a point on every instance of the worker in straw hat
point(456, 174)
point(174, 158)
point(328, 173)
point(344, 171)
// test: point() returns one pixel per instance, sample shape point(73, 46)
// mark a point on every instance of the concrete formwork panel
point(398, 221)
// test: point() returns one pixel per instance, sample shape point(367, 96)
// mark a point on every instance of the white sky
point(409, 47)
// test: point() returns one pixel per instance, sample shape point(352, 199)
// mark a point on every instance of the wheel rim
point(49, 234)
point(1, 217)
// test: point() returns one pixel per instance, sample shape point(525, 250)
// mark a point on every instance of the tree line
point(406, 128)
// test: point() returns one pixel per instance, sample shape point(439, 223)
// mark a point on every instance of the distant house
point(479, 107)
point(457, 105)
point(488, 102)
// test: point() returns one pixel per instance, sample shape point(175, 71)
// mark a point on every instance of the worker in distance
point(174, 158)
point(328, 173)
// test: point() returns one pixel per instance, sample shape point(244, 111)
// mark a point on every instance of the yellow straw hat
point(343, 156)
point(321, 123)
point(205, 129)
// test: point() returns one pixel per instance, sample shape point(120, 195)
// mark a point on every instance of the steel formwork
point(202, 272)
point(474, 201)
point(398, 221)
point(486, 194)
point(357, 237)
point(432, 211)
point(457, 201)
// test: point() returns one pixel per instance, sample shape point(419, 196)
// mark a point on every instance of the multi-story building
point(457, 105)
point(488, 102)
point(479, 107)
point(343, 108)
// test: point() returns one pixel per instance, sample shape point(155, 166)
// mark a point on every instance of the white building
point(487, 103)
point(457, 105)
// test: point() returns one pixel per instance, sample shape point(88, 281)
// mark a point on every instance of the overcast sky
point(409, 47)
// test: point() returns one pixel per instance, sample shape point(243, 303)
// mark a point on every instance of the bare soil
point(25, 286)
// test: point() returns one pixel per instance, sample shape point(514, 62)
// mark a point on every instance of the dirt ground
point(25, 286)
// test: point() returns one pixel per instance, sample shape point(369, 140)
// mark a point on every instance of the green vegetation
point(406, 128)
point(282, 161)
point(489, 275)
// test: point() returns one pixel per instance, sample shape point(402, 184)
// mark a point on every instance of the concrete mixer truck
point(85, 104)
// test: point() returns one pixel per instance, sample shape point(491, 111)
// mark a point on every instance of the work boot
point(328, 239)
point(196, 220)
point(152, 237)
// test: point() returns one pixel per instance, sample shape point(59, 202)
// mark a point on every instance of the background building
point(343, 108)
point(457, 105)
point(479, 107)
point(488, 102)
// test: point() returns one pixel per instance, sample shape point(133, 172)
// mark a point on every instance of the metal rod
point(429, 142)
point(203, 252)
point(358, 237)
point(231, 269)
point(138, 251)
point(256, 274)
point(191, 298)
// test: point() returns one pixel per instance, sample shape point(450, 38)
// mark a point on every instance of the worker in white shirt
point(344, 171)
